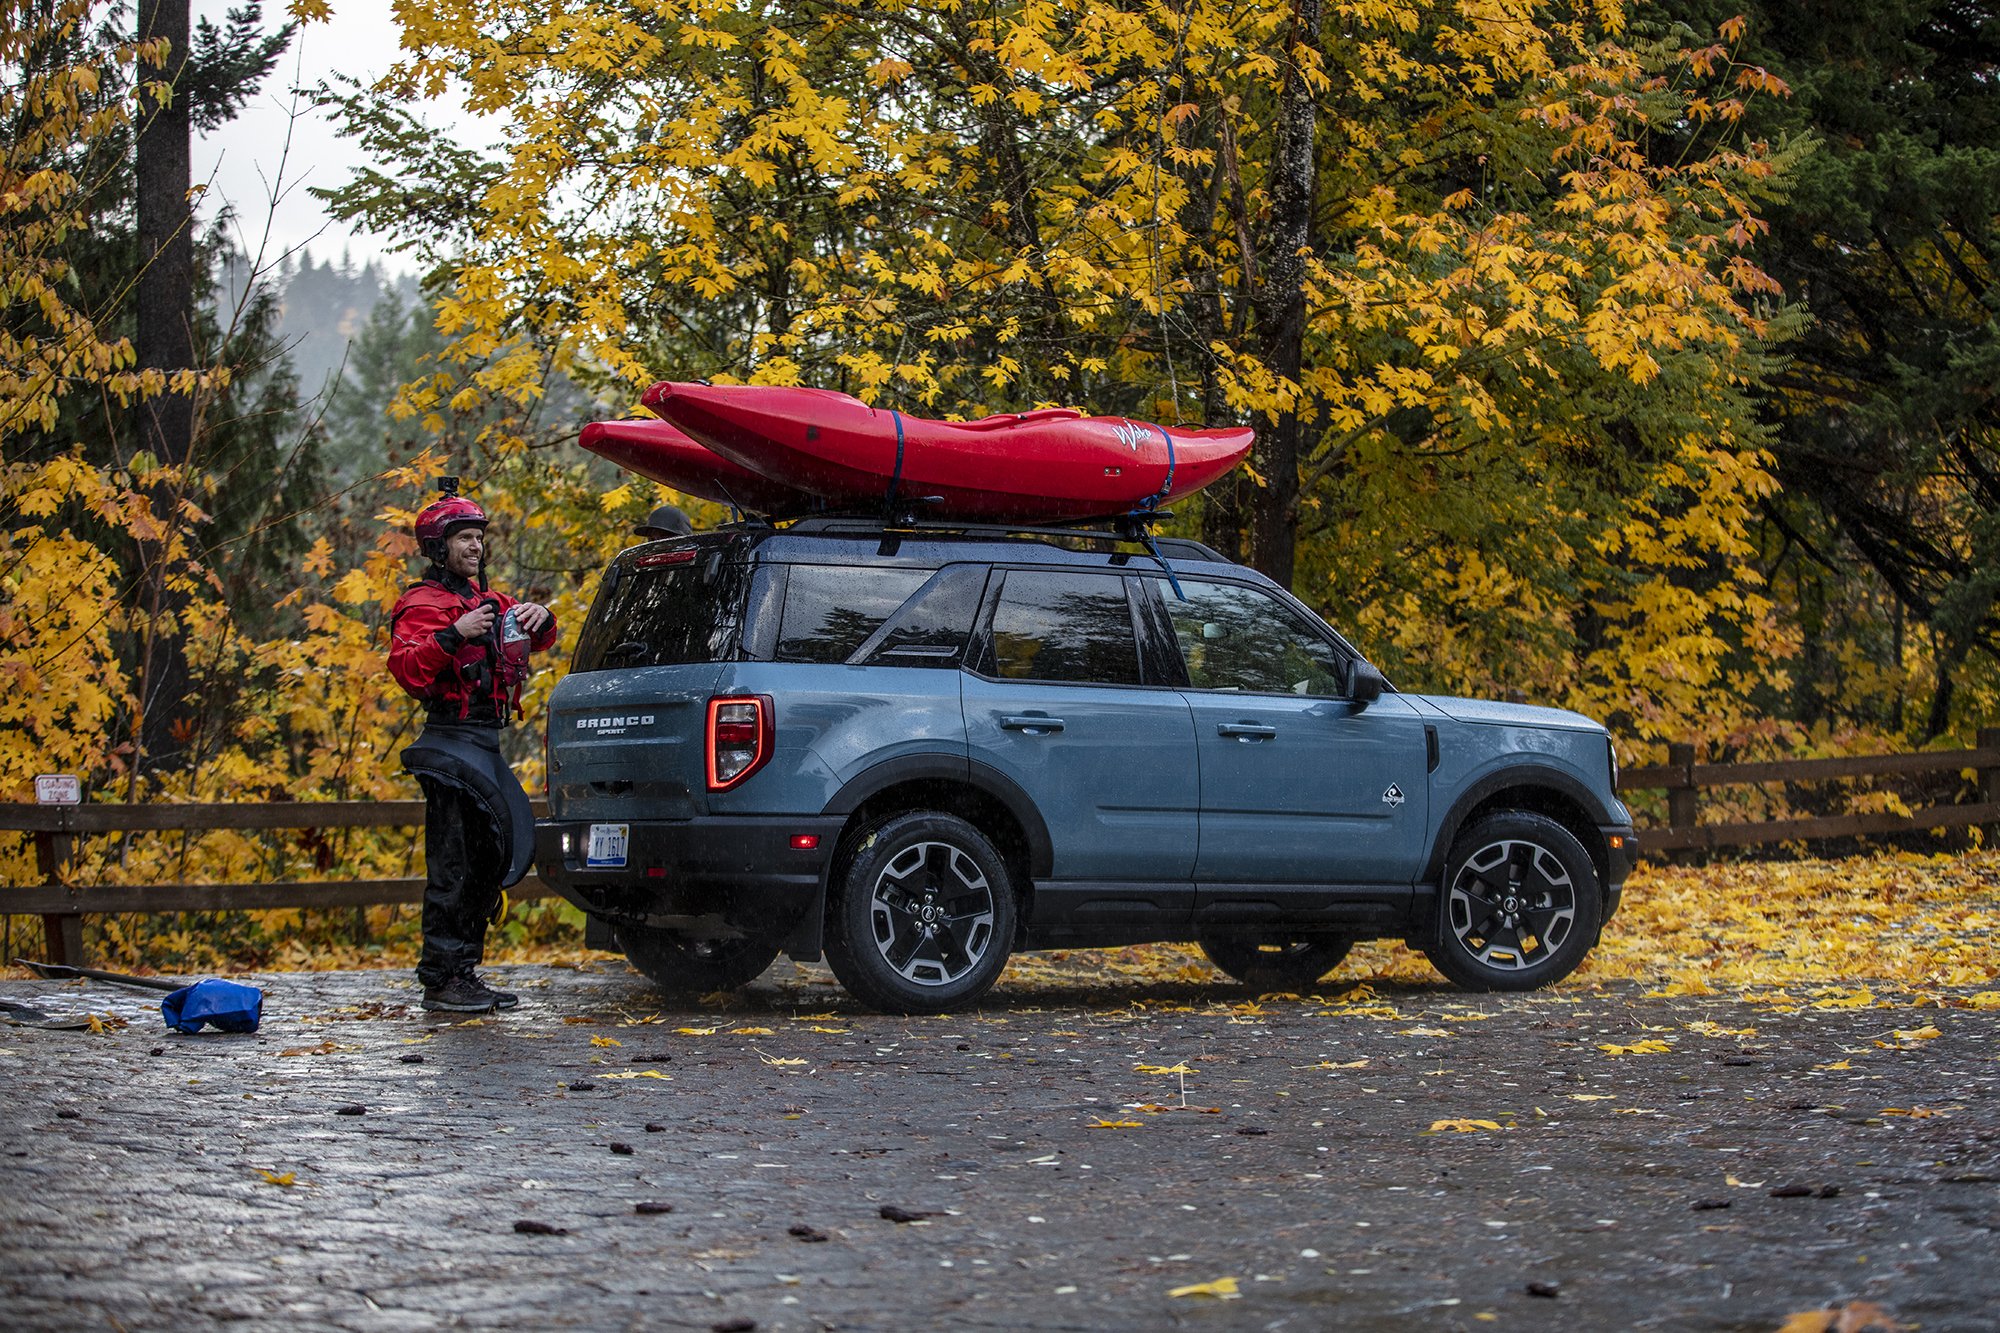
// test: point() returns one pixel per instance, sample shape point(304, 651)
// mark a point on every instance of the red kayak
point(1049, 465)
point(656, 450)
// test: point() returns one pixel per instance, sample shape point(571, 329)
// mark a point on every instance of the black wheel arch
point(976, 792)
point(1538, 789)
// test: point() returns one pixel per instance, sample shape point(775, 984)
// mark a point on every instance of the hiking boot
point(502, 999)
point(461, 994)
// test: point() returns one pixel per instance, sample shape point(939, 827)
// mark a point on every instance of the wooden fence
point(62, 905)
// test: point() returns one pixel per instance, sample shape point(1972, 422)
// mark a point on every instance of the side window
point(932, 627)
point(830, 610)
point(1056, 626)
point(1238, 638)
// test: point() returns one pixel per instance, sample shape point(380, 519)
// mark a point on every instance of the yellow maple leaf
point(1223, 1288)
point(287, 1179)
point(1461, 1126)
point(1924, 1033)
point(1114, 1124)
point(696, 1032)
point(1646, 1047)
point(750, 1032)
point(638, 1073)
point(606, 1041)
point(1161, 1069)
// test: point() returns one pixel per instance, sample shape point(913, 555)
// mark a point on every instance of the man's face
point(462, 551)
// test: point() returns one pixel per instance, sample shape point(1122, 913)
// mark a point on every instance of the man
point(463, 650)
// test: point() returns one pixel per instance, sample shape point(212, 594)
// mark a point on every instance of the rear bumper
point(711, 875)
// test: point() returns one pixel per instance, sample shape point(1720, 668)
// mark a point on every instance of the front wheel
point(1280, 965)
point(922, 917)
point(681, 965)
point(1521, 905)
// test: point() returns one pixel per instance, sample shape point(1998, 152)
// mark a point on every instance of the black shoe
point(502, 999)
point(497, 999)
point(461, 994)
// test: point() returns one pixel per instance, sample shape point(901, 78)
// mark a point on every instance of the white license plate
point(607, 845)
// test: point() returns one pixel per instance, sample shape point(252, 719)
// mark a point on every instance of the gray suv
point(915, 751)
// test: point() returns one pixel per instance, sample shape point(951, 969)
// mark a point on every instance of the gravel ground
point(1072, 1156)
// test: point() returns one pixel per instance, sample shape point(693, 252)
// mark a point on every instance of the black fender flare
point(474, 765)
point(960, 771)
point(1520, 775)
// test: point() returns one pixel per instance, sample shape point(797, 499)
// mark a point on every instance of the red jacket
point(458, 680)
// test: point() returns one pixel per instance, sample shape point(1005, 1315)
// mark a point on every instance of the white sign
point(58, 789)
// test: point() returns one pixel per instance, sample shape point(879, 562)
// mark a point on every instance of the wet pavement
point(1069, 1157)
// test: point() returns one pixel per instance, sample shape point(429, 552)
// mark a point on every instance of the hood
point(1494, 713)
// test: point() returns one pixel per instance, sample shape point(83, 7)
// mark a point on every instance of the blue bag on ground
point(228, 1006)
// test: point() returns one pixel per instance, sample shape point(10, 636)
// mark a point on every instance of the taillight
point(741, 729)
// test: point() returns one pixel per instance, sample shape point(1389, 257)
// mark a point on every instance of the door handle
point(1246, 731)
point(1031, 722)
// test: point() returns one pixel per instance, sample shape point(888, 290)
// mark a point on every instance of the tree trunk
point(1281, 308)
point(164, 340)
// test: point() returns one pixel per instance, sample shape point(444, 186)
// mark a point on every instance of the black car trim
point(1532, 775)
point(959, 769)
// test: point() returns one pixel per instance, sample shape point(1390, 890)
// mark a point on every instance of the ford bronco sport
point(916, 751)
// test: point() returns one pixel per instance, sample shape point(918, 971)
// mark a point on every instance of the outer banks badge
point(1392, 797)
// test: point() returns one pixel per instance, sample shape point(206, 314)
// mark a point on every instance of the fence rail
point(62, 905)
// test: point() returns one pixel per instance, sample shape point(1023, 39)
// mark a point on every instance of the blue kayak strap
point(896, 477)
point(1154, 500)
point(1145, 508)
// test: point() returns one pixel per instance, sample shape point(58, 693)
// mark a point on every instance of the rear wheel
point(1277, 965)
point(1521, 904)
point(922, 917)
point(680, 965)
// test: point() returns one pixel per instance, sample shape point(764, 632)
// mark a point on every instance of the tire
point(922, 915)
point(1520, 905)
point(682, 966)
point(1278, 965)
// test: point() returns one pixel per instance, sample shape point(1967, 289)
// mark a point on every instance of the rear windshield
point(665, 609)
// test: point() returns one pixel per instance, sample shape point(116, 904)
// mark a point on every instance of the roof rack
point(1126, 529)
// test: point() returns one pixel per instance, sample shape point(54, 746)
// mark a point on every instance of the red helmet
point(441, 517)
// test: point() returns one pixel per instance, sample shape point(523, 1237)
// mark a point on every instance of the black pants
point(464, 864)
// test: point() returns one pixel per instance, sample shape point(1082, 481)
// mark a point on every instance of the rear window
point(665, 609)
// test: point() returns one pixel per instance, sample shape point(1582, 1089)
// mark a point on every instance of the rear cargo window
point(665, 610)
point(830, 610)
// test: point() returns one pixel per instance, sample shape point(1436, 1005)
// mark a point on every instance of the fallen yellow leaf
point(638, 1073)
point(1646, 1047)
point(606, 1041)
point(749, 1032)
point(1924, 1033)
point(1837, 1064)
point(288, 1179)
point(1114, 1124)
point(1223, 1288)
point(1462, 1126)
point(696, 1032)
point(1161, 1069)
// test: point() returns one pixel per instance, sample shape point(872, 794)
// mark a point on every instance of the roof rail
point(1124, 529)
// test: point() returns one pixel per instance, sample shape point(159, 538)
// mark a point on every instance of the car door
point(1057, 700)
point(1299, 785)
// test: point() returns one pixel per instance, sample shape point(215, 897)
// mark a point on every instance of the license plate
point(607, 845)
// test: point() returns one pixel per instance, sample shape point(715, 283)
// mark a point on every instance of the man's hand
point(475, 624)
point(531, 616)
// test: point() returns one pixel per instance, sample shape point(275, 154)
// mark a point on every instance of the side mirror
point(1364, 684)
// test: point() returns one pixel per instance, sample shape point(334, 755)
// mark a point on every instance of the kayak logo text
point(1130, 436)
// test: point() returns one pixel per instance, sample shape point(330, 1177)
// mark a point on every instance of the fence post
point(1989, 776)
point(63, 930)
point(1681, 797)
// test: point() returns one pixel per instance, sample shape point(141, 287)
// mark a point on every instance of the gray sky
point(247, 161)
